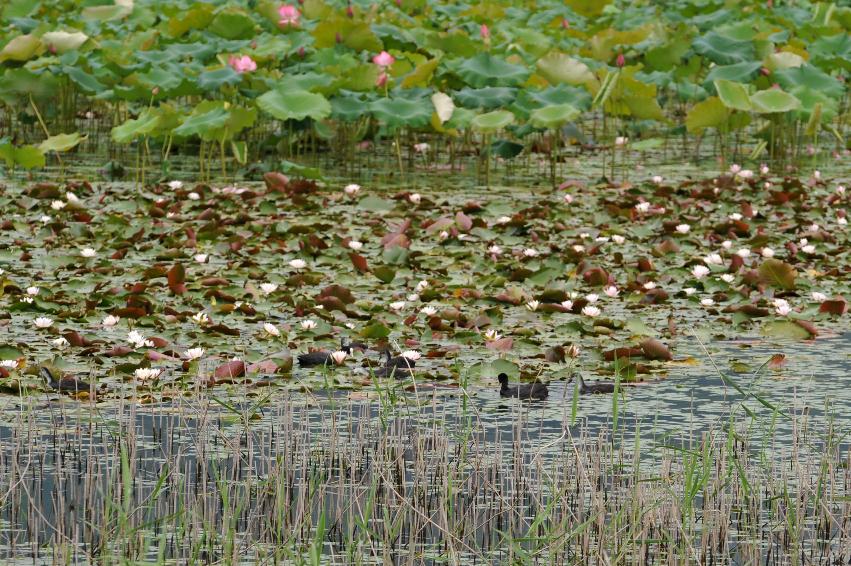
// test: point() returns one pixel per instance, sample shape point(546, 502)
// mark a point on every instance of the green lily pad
point(294, 105)
point(553, 116)
point(774, 100)
point(492, 121)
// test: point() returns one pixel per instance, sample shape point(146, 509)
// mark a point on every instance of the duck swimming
point(535, 390)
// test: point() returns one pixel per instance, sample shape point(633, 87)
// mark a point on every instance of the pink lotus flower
point(381, 80)
point(565, 23)
point(621, 60)
point(485, 31)
point(289, 15)
point(383, 59)
point(242, 64)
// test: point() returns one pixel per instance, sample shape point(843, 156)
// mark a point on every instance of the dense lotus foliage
point(238, 82)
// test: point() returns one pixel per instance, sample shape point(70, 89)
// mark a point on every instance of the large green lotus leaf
point(355, 34)
point(711, 113)
point(816, 101)
point(310, 81)
point(63, 41)
point(832, 51)
point(740, 72)
point(492, 121)
point(550, 117)
point(724, 50)
point(811, 77)
point(588, 8)
point(88, 83)
point(232, 24)
point(360, 78)
point(166, 78)
point(604, 43)
point(774, 100)
point(456, 42)
point(644, 107)
point(783, 60)
point(560, 68)
point(28, 156)
point(61, 142)
point(667, 55)
point(21, 48)
point(461, 119)
point(347, 108)
point(211, 81)
point(488, 98)
point(131, 129)
point(294, 104)
point(733, 95)
point(199, 17)
point(486, 70)
point(533, 42)
point(201, 122)
point(395, 37)
point(270, 47)
point(421, 75)
point(121, 9)
point(561, 94)
point(22, 81)
point(506, 149)
point(399, 112)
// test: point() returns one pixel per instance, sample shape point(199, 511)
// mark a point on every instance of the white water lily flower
point(201, 318)
point(298, 264)
point(642, 206)
point(271, 329)
point(72, 198)
point(591, 311)
point(650, 285)
point(339, 357)
point(308, 324)
point(33, 291)
point(783, 310)
point(735, 216)
point(707, 302)
point(27, 300)
point(767, 252)
point(412, 355)
point(568, 199)
point(808, 249)
point(43, 322)
point(494, 250)
point(201, 258)
point(763, 169)
point(397, 305)
point(351, 189)
point(268, 288)
point(803, 242)
point(175, 185)
point(9, 364)
point(578, 248)
point(743, 252)
point(621, 141)
point(842, 221)
point(443, 235)
point(145, 374)
point(503, 220)
point(584, 235)
point(567, 305)
point(618, 239)
point(415, 198)
point(592, 297)
point(194, 196)
point(819, 297)
point(88, 252)
point(530, 252)
point(611, 291)
point(601, 239)
point(683, 228)
point(713, 259)
point(814, 227)
point(689, 291)
point(60, 342)
point(728, 277)
point(413, 297)
point(428, 311)
point(726, 244)
point(816, 174)
point(194, 353)
point(533, 305)
point(422, 286)
point(45, 219)
point(110, 320)
point(657, 179)
point(491, 335)
point(735, 168)
point(58, 204)
point(745, 174)
point(840, 190)
point(136, 338)
point(355, 245)
point(700, 271)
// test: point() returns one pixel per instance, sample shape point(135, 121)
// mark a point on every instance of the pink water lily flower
point(242, 64)
point(383, 59)
point(485, 31)
point(289, 15)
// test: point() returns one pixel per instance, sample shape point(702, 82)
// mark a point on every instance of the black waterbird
point(321, 357)
point(67, 383)
point(397, 366)
point(535, 390)
point(595, 387)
